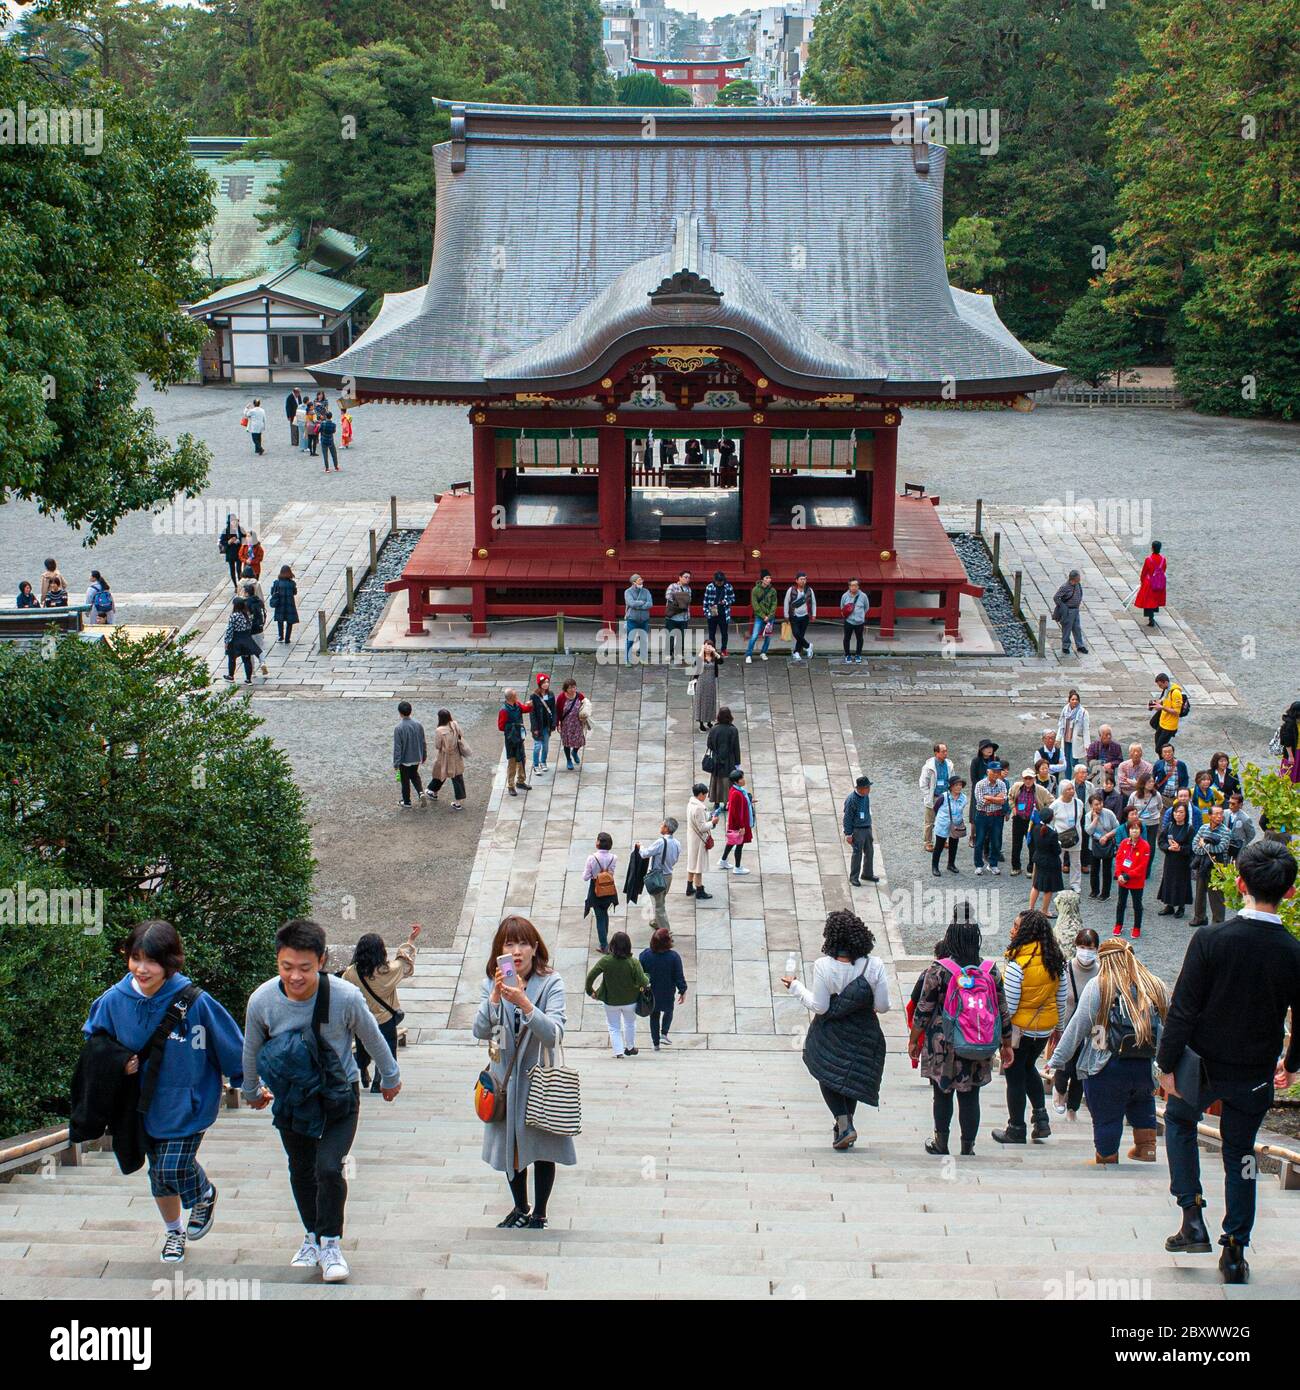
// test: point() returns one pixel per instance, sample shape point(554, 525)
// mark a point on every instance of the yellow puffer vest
point(1037, 1011)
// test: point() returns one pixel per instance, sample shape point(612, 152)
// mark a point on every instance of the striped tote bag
point(554, 1097)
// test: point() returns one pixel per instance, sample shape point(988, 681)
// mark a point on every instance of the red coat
point(1133, 857)
point(738, 817)
point(1151, 593)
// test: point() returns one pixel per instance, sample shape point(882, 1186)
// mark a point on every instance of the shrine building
point(686, 338)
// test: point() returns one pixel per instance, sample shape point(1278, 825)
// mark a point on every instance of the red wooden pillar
point(478, 610)
point(884, 486)
point(755, 489)
point(416, 598)
point(611, 485)
point(485, 483)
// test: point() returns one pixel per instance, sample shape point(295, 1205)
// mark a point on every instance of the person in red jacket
point(1151, 592)
point(1132, 860)
point(740, 821)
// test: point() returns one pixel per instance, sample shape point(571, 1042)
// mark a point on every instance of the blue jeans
point(988, 839)
point(1245, 1103)
point(541, 746)
point(1071, 627)
point(1069, 761)
point(601, 910)
point(1122, 1089)
point(661, 1020)
point(637, 634)
point(755, 633)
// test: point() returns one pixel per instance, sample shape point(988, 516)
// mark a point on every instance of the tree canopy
point(1046, 69)
point(645, 89)
point(96, 243)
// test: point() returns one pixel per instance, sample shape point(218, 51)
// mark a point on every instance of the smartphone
point(506, 965)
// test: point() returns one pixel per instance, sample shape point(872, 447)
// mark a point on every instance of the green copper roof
point(238, 246)
point(290, 282)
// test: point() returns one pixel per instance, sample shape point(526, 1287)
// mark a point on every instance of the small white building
point(271, 317)
point(274, 327)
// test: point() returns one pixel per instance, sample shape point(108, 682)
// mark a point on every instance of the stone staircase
point(702, 1173)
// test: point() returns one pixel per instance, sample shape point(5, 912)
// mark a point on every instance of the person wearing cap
point(542, 720)
point(1029, 796)
point(857, 831)
point(990, 812)
point(949, 825)
point(1066, 603)
point(988, 750)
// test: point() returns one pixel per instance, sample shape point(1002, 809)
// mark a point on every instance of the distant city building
point(652, 29)
point(781, 37)
point(616, 31)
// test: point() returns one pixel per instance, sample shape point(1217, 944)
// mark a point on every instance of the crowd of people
point(1083, 805)
point(250, 609)
point(53, 593)
point(312, 427)
point(717, 601)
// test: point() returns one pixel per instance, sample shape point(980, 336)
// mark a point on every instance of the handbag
point(956, 828)
point(489, 1093)
point(767, 628)
point(397, 1014)
point(735, 837)
point(645, 1001)
point(707, 764)
point(554, 1097)
point(787, 632)
point(461, 746)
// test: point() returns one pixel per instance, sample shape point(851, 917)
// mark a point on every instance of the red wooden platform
point(504, 585)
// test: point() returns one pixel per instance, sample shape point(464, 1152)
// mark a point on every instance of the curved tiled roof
point(822, 234)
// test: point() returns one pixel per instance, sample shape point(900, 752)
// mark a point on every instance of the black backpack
point(1121, 1035)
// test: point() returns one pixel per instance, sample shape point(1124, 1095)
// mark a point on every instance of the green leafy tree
point(970, 251)
point(95, 262)
point(1094, 343)
point(645, 89)
point(1047, 69)
point(1277, 798)
point(738, 92)
point(127, 773)
point(1208, 163)
point(49, 977)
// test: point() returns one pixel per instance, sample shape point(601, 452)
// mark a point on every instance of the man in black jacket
point(291, 403)
point(1229, 1006)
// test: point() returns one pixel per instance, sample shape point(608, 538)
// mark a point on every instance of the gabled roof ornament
point(686, 285)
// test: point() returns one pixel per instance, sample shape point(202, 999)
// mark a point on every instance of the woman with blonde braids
point(1116, 1030)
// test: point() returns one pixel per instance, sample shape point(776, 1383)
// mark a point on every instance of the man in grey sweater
point(409, 751)
point(637, 602)
point(284, 1005)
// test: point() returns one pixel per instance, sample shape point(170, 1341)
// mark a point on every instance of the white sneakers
point(327, 1256)
point(741, 870)
point(333, 1267)
point(749, 661)
point(308, 1256)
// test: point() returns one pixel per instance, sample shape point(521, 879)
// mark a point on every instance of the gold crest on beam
point(684, 359)
point(532, 398)
point(840, 399)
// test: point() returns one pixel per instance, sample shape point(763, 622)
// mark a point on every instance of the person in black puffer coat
point(845, 1048)
point(724, 746)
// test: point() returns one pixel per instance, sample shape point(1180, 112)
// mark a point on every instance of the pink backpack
point(972, 1020)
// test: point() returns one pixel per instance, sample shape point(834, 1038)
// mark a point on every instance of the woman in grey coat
point(523, 1019)
point(706, 685)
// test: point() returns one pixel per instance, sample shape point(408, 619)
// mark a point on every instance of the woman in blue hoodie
point(206, 1044)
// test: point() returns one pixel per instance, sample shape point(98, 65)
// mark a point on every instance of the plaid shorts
point(174, 1169)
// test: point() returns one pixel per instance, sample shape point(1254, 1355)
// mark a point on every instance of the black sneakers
point(201, 1214)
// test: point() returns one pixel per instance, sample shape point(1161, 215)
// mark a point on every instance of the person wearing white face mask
point(1067, 1085)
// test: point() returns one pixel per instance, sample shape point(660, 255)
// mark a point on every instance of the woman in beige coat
point(700, 821)
point(449, 750)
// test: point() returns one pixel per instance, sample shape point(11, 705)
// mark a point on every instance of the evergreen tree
point(1095, 343)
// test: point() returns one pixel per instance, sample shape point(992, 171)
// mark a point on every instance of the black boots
point(1232, 1263)
point(1191, 1238)
point(967, 1147)
point(937, 1145)
point(1042, 1126)
point(1013, 1134)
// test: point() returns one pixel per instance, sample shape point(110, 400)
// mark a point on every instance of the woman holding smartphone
point(522, 1013)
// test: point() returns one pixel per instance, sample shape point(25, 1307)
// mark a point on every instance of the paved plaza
point(717, 1151)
